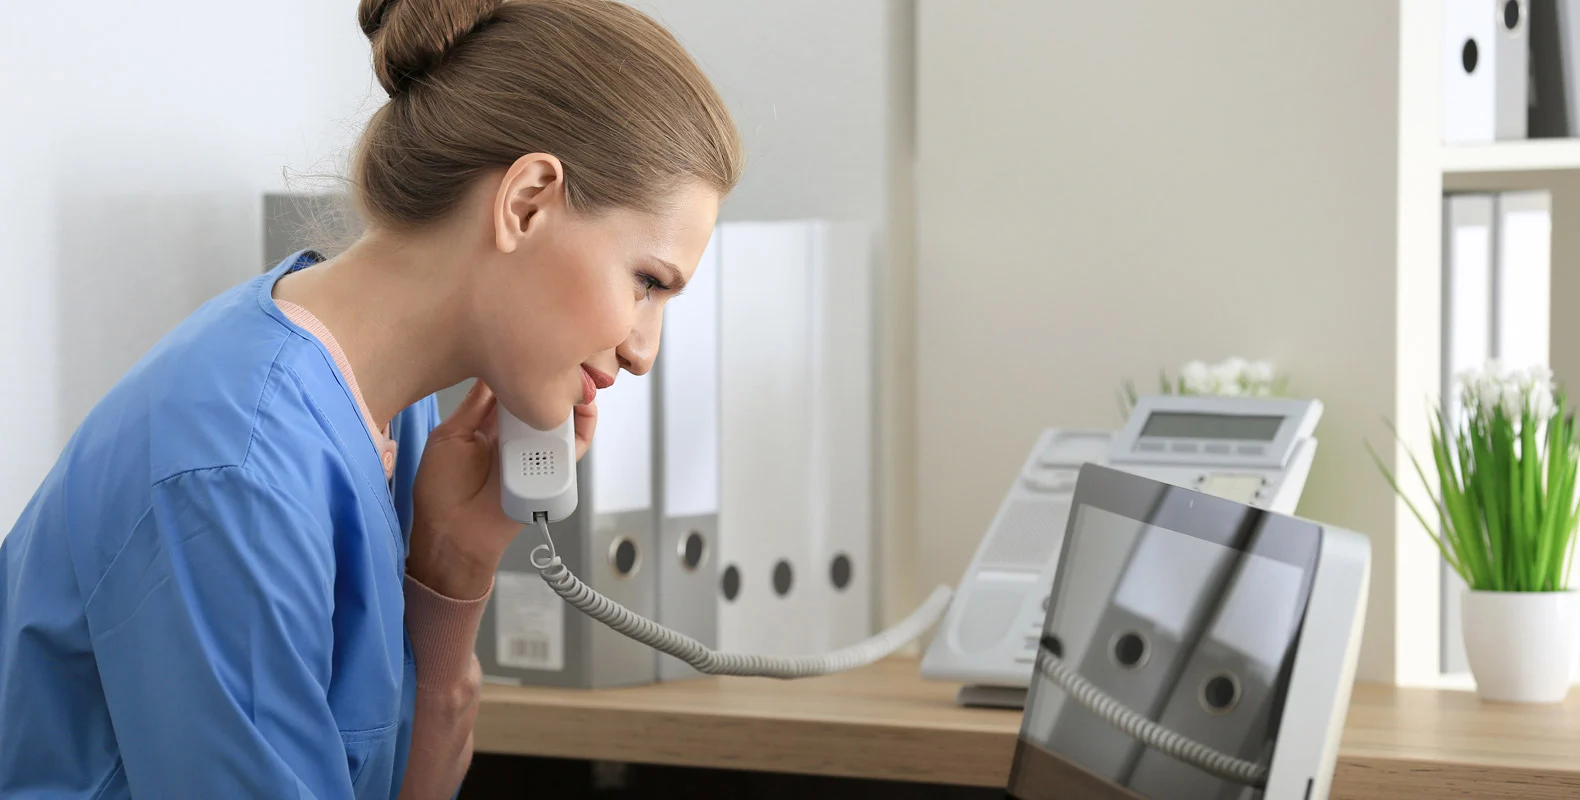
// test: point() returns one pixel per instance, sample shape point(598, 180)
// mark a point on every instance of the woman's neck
point(399, 313)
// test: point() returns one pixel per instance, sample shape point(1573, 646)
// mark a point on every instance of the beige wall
point(1106, 189)
point(1566, 285)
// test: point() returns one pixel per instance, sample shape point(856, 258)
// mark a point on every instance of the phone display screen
point(1194, 425)
point(1185, 608)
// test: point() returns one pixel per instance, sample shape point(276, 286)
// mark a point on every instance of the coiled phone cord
point(711, 662)
point(1147, 731)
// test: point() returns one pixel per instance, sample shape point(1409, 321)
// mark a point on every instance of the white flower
point(1196, 377)
point(1234, 376)
point(1542, 405)
point(1495, 386)
point(1227, 375)
point(1261, 373)
point(1482, 387)
point(1513, 400)
point(1538, 386)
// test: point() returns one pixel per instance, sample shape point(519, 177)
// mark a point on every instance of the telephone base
point(992, 696)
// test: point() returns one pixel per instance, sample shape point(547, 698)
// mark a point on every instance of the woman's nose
point(637, 352)
point(634, 357)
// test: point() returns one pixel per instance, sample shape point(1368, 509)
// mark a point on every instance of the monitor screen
point(1193, 425)
point(1183, 607)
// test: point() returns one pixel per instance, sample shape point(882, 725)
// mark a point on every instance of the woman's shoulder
point(228, 379)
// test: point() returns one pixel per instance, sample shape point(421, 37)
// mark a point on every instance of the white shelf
point(1535, 155)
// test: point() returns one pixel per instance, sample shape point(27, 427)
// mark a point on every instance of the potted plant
point(1505, 504)
point(1232, 377)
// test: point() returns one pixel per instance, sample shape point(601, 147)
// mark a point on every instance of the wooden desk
point(885, 722)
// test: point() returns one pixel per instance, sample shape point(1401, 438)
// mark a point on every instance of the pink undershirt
point(305, 320)
point(443, 629)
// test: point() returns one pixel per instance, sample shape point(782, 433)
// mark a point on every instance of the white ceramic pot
point(1522, 646)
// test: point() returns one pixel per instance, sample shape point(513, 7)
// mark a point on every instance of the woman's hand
point(459, 529)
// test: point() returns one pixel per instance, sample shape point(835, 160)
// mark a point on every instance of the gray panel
point(617, 660)
point(594, 655)
point(451, 397)
point(292, 222)
point(1555, 68)
point(686, 599)
point(1512, 70)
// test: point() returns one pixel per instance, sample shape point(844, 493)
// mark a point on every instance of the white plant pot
point(1522, 646)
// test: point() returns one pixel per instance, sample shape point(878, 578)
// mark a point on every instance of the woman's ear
point(535, 184)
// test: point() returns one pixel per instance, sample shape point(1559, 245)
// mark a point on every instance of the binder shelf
point(1530, 155)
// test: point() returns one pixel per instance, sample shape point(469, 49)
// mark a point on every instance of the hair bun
point(410, 37)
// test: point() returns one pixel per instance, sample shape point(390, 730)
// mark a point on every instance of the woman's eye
point(649, 283)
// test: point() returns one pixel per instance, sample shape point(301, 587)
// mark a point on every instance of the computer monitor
point(1228, 631)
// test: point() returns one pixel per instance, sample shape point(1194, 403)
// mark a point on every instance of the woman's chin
point(541, 415)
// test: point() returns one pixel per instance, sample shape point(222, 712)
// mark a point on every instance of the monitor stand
point(992, 696)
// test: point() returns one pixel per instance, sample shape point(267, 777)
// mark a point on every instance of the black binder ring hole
point(1511, 14)
point(783, 578)
point(731, 583)
point(693, 549)
point(1130, 650)
point(624, 555)
point(1469, 55)
point(839, 571)
point(1220, 694)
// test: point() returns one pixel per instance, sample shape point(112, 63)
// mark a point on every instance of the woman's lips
point(592, 381)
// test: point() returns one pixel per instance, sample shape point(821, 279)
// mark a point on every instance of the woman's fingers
point(586, 417)
point(490, 423)
point(474, 408)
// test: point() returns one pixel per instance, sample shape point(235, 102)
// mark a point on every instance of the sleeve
point(214, 640)
point(443, 634)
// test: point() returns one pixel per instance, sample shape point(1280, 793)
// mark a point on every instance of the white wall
point(138, 139)
point(1107, 189)
point(27, 310)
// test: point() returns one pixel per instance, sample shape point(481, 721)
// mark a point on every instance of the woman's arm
point(443, 632)
point(214, 641)
point(459, 534)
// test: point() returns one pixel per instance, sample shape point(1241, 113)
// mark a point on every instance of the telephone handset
point(538, 486)
point(537, 469)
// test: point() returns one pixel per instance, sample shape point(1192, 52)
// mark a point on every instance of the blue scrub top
point(204, 598)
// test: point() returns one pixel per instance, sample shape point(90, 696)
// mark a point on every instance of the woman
point(258, 567)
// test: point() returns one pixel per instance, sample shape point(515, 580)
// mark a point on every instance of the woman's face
point(576, 297)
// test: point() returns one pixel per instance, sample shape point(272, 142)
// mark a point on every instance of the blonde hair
point(476, 84)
